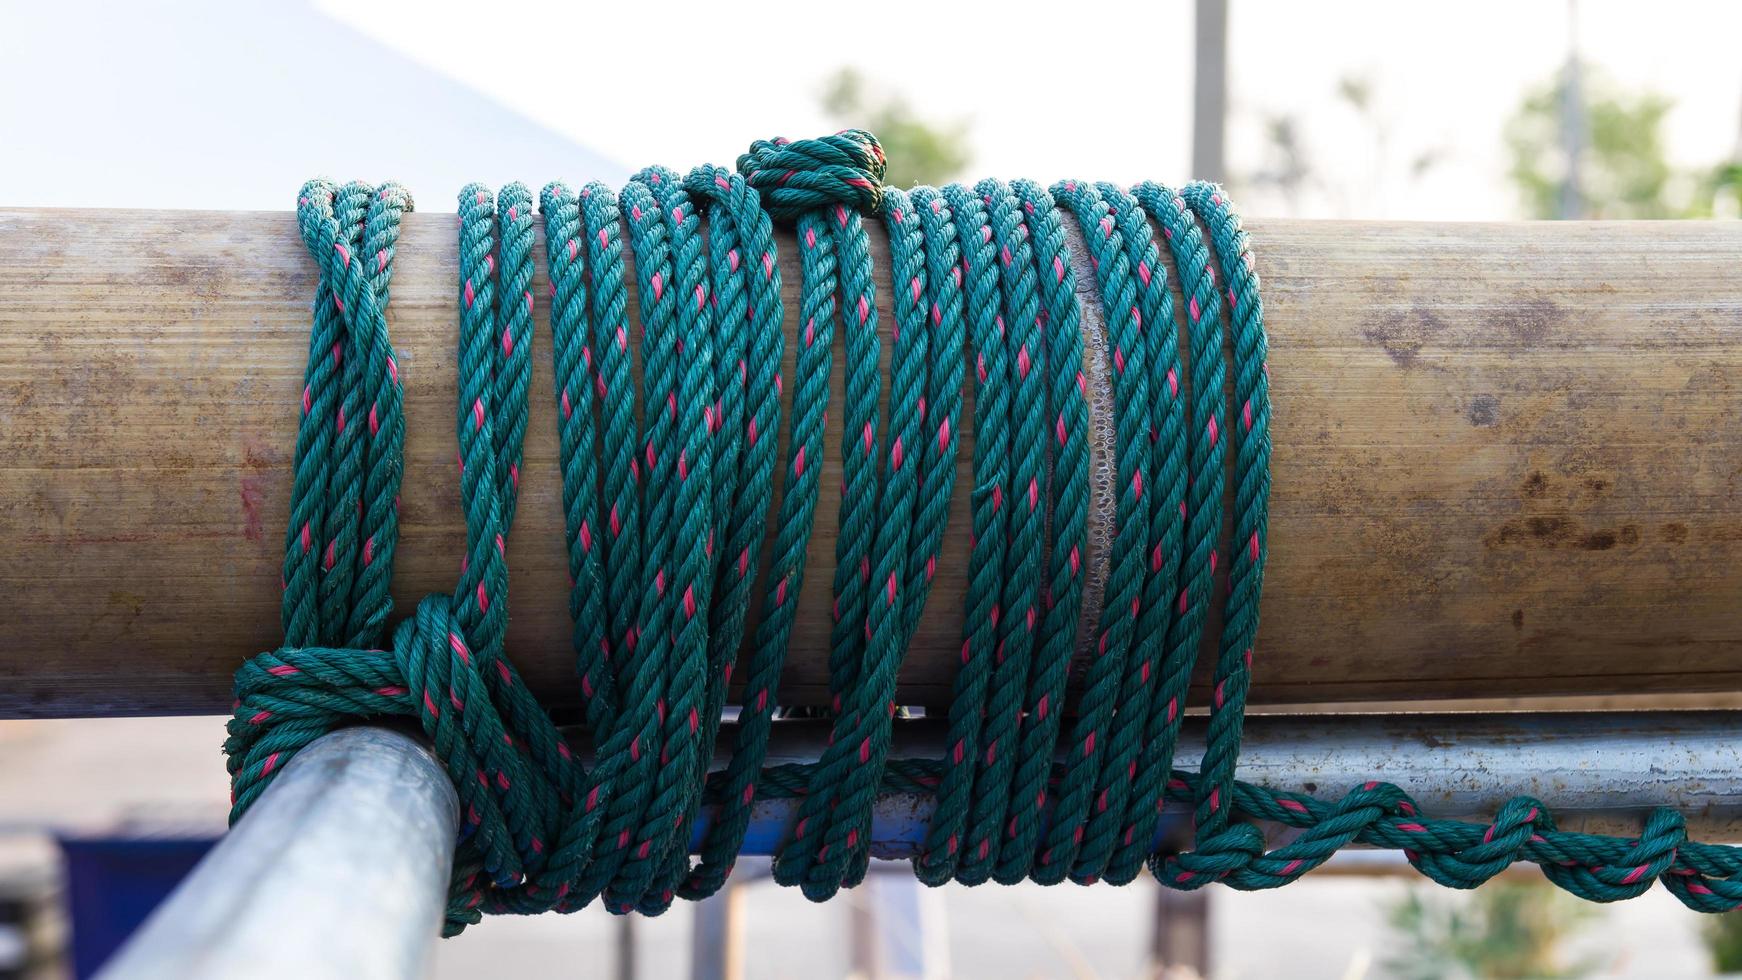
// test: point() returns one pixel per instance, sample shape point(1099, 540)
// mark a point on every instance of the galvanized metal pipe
point(339, 869)
point(342, 866)
point(1598, 771)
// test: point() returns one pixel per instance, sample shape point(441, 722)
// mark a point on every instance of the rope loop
point(1519, 820)
point(802, 176)
point(1585, 870)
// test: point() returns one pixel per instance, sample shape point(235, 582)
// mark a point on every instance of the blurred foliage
point(1503, 930)
point(1624, 170)
point(1726, 182)
point(919, 151)
point(1288, 170)
point(1723, 938)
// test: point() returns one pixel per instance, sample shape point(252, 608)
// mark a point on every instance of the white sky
point(230, 103)
point(1091, 88)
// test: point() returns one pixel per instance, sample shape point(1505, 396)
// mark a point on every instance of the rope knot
point(798, 177)
point(1214, 858)
point(512, 787)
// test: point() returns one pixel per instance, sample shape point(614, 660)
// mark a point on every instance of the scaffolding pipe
point(340, 869)
point(352, 843)
point(1599, 772)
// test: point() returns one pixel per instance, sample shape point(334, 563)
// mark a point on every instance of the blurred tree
point(1624, 171)
point(1727, 189)
point(1503, 930)
point(1723, 938)
point(919, 152)
point(1288, 170)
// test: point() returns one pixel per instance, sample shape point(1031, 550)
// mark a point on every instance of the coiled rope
point(667, 489)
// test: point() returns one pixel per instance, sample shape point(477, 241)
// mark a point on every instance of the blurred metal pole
point(1210, 91)
point(900, 926)
point(339, 869)
point(626, 966)
point(717, 939)
point(864, 952)
point(1179, 947)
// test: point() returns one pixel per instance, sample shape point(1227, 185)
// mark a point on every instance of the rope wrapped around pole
point(665, 492)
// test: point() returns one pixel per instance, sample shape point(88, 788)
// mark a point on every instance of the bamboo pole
point(1506, 461)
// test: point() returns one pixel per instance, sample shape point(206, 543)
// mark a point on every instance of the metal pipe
point(339, 869)
point(1597, 771)
point(342, 866)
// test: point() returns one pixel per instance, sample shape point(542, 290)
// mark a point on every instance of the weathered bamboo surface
point(1508, 462)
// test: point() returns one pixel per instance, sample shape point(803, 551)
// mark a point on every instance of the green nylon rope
point(342, 487)
point(839, 785)
point(1252, 492)
point(1015, 612)
point(749, 418)
point(871, 625)
point(1114, 657)
point(1164, 495)
point(1067, 517)
point(938, 861)
point(666, 492)
point(1201, 512)
point(747, 372)
point(940, 409)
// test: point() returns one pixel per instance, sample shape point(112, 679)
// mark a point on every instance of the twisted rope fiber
point(1202, 514)
point(845, 853)
point(1015, 611)
point(741, 237)
point(1067, 508)
point(941, 854)
point(843, 785)
point(1129, 346)
point(1216, 835)
point(680, 481)
point(1164, 494)
point(666, 505)
point(356, 508)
